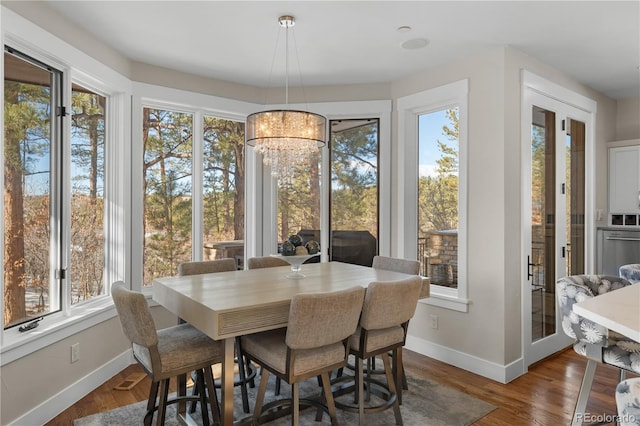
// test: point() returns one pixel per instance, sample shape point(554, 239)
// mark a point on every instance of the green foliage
point(438, 195)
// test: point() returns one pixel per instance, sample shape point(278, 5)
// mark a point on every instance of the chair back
point(265, 262)
point(577, 288)
point(390, 303)
point(135, 317)
point(206, 266)
point(321, 319)
point(397, 265)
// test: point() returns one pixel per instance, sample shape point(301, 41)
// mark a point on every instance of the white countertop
point(617, 310)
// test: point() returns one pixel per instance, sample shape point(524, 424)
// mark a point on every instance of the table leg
point(227, 382)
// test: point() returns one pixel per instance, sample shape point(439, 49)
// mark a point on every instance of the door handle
point(622, 239)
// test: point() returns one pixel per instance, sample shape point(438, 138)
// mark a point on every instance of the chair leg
point(360, 390)
point(213, 396)
point(325, 379)
point(262, 389)
point(151, 403)
point(162, 405)
point(242, 376)
point(391, 382)
point(203, 397)
point(585, 389)
point(398, 372)
point(295, 404)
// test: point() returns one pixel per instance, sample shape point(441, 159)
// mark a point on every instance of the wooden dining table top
point(234, 303)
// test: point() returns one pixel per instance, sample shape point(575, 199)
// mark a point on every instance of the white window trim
point(78, 67)
point(409, 108)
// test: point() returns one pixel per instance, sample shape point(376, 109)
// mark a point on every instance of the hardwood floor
point(544, 396)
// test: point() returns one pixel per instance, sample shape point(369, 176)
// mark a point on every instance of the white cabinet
point(624, 185)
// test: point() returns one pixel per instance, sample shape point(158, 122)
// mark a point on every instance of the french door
point(554, 243)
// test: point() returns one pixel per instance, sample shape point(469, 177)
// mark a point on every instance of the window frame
point(409, 109)
point(76, 67)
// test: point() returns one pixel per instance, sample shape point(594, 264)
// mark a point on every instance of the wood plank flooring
point(544, 396)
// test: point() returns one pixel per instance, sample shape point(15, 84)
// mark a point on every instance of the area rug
point(425, 403)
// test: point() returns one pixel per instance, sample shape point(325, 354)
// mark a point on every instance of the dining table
point(224, 305)
point(617, 310)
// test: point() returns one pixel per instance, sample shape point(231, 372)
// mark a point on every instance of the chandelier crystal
point(286, 138)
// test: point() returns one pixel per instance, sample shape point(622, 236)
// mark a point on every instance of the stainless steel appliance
point(617, 248)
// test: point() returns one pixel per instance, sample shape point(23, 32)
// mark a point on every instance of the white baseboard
point(482, 367)
point(64, 399)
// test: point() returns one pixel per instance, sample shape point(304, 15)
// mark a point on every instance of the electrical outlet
point(434, 322)
point(75, 352)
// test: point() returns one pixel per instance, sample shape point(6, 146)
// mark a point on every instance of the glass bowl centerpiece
point(295, 253)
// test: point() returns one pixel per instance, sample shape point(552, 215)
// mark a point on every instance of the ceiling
point(354, 42)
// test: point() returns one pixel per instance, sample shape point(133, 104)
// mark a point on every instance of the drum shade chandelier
point(285, 138)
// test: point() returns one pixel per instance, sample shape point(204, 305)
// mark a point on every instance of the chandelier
point(285, 138)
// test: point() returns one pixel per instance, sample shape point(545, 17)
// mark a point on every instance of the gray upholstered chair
point(265, 262)
point(404, 266)
point(628, 402)
point(245, 371)
point(595, 342)
point(167, 353)
point(206, 266)
point(315, 342)
point(388, 307)
point(630, 272)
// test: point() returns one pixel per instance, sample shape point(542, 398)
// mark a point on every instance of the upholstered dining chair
point(265, 262)
point(630, 272)
point(628, 402)
point(593, 341)
point(405, 266)
point(315, 342)
point(388, 307)
point(167, 353)
point(245, 371)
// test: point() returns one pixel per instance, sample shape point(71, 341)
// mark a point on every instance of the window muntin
point(438, 196)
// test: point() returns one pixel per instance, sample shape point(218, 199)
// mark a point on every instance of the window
point(432, 189)
point(174, 195)
point(438, 196)
point(44, 229)
point(32, 143)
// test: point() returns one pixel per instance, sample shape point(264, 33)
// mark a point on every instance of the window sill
point(54, 328)
point(446, 298)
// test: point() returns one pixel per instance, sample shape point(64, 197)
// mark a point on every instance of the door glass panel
point(354, 191)
point(87, 194)
point(29, 290)
point(223, 189)
point(167, 138)
point(543, 229)
point(438, 183)
point(575, 197)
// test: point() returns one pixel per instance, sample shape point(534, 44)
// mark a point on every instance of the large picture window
point(174, 202)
